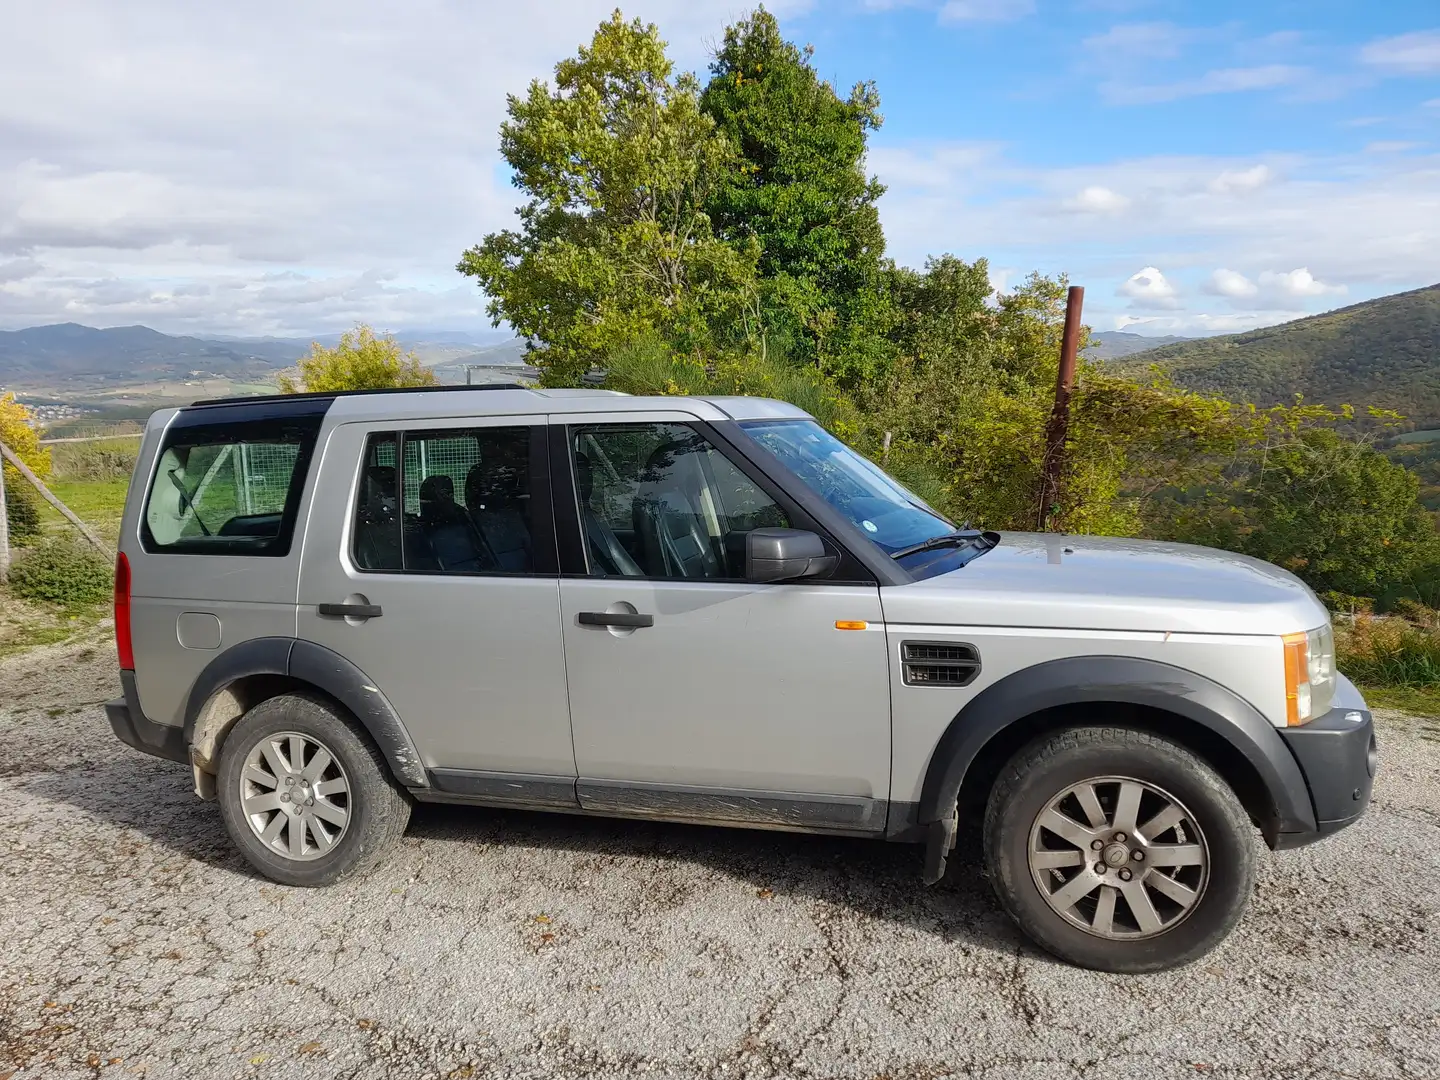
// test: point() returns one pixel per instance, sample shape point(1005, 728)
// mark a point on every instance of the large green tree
point(803, 193)
point(618, 164)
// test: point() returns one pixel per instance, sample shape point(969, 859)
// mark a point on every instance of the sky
point(274, 168)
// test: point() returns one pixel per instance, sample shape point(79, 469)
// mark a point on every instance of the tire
point(353, 799)
point(1208, 854)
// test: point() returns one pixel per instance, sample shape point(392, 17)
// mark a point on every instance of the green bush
point(109, 460)
point(1388, 652)
point(22, 509)
point(61, 571)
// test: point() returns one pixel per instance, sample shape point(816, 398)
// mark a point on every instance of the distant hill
point(68, 358)
point(1113, 344)
point(68, 351)
point(1383, 352)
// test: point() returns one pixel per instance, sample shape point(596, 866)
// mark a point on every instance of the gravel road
point(136, 943)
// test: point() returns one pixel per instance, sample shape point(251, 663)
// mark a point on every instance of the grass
point(25, 625)
point(1416, 700)
point(1394, 661)
point(95, 502)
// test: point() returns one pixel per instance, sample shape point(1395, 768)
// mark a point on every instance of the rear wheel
point(1118, 850)
point(305, 795)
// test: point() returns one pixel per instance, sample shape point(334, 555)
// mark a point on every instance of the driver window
point(661, 501)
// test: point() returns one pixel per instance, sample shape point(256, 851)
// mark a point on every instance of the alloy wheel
point(1119, 858)
point(295, 795)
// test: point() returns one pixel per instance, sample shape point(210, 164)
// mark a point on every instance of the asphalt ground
point(135, 942)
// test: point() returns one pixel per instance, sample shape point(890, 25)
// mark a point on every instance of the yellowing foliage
point(17, 433)
point(362, 361)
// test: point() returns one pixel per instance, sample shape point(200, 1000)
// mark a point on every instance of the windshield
point(878, 506)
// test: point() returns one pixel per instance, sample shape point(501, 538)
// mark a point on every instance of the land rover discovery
point(711, 610)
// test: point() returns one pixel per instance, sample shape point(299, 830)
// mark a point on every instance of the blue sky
point(1183, 138)
point(281, 168)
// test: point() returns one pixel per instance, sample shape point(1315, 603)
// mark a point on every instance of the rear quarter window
point(229, 488)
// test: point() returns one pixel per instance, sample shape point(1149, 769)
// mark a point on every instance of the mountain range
point(68, 356)
point(1113, 344)
point(1383, 352)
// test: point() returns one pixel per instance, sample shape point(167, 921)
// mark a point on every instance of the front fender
point(1126, 680)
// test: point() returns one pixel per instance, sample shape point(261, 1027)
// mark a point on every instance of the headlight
point(1309, 674)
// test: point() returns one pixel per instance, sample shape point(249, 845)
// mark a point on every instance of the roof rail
point(256, 399)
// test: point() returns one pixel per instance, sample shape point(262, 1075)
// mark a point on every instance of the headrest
point(437, 488)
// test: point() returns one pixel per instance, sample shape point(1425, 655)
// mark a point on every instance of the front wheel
point(306, 795)
point(1118, 850)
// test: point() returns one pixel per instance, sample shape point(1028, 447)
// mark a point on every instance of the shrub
point(1388, 652)
point(61, 571)
point(22, 509)
point(96, 461)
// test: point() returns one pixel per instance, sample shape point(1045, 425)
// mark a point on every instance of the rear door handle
point(615, 618)
point(349, 611)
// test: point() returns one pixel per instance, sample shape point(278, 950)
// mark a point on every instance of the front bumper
point(134, 728)
point(1337, 755)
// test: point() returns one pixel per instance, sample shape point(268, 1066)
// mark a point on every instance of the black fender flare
point(325, 670)
point(1127, 680)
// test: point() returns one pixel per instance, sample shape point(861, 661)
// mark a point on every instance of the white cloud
point(1233, 181)
point(1390, 146)
point(1221, 81)
point(1417, 53)
point(1096, 199)
point(160, 162)
point(1231, 283)
point(1148, 288)
point(1151, 41)
point(1297, 284)
point(954, 11)
point(1202, 323)
point(1372, 222)
point(18, 269)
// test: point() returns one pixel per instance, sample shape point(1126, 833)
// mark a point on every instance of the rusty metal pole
point(1052, 469)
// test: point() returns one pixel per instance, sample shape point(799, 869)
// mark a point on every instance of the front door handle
point(349, 611)
point(615, 618)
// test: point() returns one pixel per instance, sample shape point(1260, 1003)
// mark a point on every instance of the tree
point(1334, 511)
point(617, 163)
point(17, 431)
point(361, 361)
point(802, 192)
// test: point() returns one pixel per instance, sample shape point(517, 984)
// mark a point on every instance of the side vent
point(939, 663)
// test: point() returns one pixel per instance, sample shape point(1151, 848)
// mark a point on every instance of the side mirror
point(786, 554)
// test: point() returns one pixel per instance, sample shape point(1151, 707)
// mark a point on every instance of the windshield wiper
point(964, 538)
point(186, 502)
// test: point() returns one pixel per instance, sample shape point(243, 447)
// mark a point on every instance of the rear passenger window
point(229, 489)
point(446, 502)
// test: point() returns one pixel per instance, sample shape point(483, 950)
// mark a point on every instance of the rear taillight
point(123, 645)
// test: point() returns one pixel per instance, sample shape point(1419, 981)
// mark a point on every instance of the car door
point(723, 699)
point(443, 531)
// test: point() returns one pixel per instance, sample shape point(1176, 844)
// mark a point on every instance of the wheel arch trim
point(323, 669)
point(1123, 680)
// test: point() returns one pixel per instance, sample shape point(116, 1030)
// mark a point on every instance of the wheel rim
point(295, 795)
point(1119, 858)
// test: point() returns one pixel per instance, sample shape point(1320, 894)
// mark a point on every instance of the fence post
point(1053, 466)
point(4, 532)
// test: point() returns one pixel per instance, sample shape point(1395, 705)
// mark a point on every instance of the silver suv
point(711, 610)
